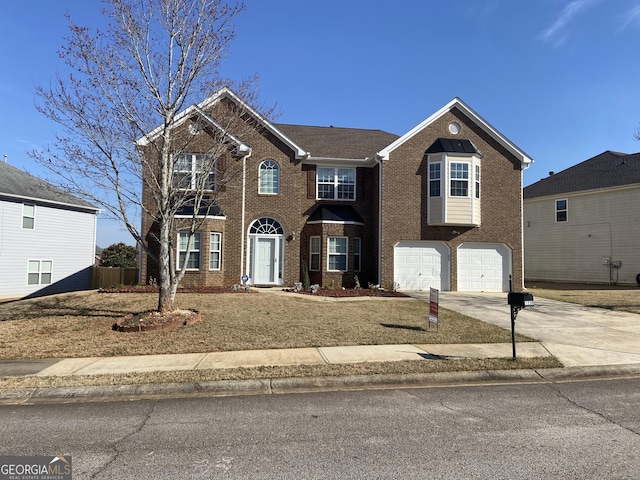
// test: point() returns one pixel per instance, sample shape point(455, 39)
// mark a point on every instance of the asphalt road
point(587, 430)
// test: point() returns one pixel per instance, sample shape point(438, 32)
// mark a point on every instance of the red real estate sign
point(433, 306)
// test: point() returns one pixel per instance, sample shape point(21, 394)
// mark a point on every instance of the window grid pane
point(215, 251)
point(269, 181)
point(336, 183)
point(193, 262)
point(337, 253)
point(314, 254)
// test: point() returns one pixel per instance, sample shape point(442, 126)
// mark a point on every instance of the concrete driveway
point(576, 335)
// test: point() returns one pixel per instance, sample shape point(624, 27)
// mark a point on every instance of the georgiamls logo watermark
point(36, 468)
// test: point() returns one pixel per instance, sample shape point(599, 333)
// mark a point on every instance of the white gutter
point(243, 149)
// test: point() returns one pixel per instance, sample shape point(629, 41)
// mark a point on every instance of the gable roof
point(335, 142)
point(606, 170)
point(18, 184)
point(216, 97)
point(473, 116)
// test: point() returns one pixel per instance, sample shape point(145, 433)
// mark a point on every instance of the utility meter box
point(518, 299)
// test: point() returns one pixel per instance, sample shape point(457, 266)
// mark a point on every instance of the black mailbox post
point(517, 301)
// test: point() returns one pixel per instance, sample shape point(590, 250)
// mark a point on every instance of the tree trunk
point(166, 295)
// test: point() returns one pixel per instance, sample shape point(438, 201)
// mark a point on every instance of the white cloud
point(631, 16)
point(557, 31)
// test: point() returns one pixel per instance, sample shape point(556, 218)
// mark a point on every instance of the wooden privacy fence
point(107, 277)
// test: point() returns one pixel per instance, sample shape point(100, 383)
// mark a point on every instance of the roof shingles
point(607, 170)
point(19, 184)
point(335, 142)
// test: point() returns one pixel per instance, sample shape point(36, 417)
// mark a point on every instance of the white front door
point(265, 260)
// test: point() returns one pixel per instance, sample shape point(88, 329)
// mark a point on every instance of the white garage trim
point(420, 265)
point(484, 267)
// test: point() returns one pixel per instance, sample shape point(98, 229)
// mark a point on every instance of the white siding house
point(47, 237)
point(583, 224)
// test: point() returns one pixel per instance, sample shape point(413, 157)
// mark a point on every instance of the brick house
point(440, 206)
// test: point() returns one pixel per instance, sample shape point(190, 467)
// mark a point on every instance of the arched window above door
point(266, 226)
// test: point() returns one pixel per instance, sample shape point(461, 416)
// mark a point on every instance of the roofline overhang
point(350, 162)
point(469, 112)
point(553, 196)
point(181, 117)
point(22, 198)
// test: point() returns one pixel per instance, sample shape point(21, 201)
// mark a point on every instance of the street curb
point(315, 384)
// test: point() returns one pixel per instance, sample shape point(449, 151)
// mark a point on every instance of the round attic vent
point(454, 128)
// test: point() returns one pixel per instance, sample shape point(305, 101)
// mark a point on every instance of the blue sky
point(559, 78)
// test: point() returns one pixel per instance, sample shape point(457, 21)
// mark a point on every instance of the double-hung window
point(357, 254)
point(39, 272)
point(477, 181)
point(269, 180)
point(434, 179)
point(336, 183)
point(215, 250)
point(194, 171)
point(192, 252)
point(28, 216)
point(337, 254)
point(314, 254)
point(459, 179)
point(561, 210)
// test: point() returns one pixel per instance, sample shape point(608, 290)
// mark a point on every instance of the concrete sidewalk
point(257, 358)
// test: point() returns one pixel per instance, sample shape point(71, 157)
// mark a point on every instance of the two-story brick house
point(439, 206)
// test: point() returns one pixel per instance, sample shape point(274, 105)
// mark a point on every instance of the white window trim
point(312, 253)
point(39, 272)
point(24, 215)
point(194, 171)
point(439, 179)
point(451, 179)
point(336, 183)
point(477, 173)
point(260, 185)
point(330, 254)
point(565, 210)
point(357, 254)
point(219, 251)
point(178, 263)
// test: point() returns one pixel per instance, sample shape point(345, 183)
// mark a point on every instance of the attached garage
point(484, 267)
point(421, 265)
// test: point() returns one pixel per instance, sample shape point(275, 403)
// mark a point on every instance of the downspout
point(247, 150)
point(379, 162)
point(522, 169)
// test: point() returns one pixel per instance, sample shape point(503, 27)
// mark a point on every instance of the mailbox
point(517, 299)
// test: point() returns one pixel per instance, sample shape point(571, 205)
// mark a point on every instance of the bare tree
point(125, 87)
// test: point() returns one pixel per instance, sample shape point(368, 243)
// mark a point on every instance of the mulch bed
point(155, 289)
point(349, 292)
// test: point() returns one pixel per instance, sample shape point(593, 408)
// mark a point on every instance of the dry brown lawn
point(612, 297)
point(79, 324)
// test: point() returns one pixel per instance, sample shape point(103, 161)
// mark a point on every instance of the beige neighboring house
point(583, 224)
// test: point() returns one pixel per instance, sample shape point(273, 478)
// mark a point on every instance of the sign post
point(433, 307)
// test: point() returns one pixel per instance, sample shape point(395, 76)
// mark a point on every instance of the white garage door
point(421, 265)
point(483, 267)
